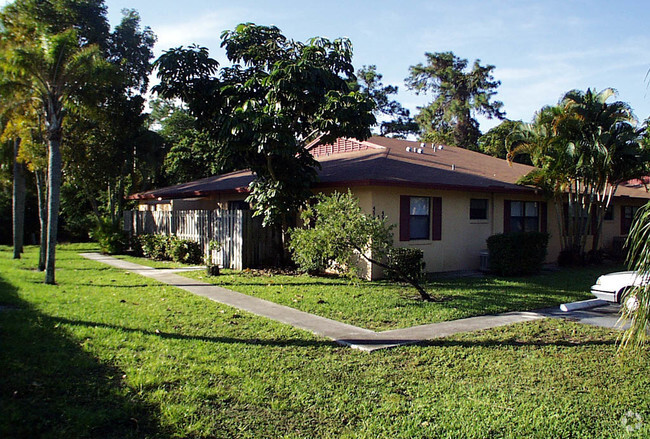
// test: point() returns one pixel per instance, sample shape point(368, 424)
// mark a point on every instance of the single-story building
point(444, 200)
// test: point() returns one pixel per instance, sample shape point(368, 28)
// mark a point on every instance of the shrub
point(513, 254)
point(168, 248)
point(135, 244)
point(155, 246)
point(185, 251)
point(111, 238)
point(410, 261)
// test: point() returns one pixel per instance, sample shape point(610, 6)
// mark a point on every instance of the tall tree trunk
point(53, 197)
point(18, 209)
point(41, 191)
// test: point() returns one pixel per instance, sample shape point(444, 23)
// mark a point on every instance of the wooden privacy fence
point(244, 242)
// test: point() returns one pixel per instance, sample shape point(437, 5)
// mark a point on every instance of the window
point(627, 215)
point(419, 218)
point(478, 209)
point(524, 216)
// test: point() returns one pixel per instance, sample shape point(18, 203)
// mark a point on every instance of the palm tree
point(53, 69)
point(583, 149)
point(545, 142)
point(638, 259)
point(608, 152)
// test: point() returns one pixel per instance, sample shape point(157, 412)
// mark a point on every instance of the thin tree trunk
point(41, 191)
point(18, 209)
point(119, 201)
point(53, 197)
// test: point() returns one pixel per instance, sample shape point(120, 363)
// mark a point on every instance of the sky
point(540, 49)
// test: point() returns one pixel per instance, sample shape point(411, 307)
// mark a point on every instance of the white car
point(611, 287)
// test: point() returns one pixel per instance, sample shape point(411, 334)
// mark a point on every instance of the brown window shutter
point(623, 231)
point(543, 211)
point(436, 219)
point(404, 217)
point(506, 216)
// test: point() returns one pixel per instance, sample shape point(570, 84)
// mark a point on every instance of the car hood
point(621, 279)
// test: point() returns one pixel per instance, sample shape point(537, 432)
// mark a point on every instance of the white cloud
point(204, 30)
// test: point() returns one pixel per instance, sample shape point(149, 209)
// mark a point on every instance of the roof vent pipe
point(453, 167)
point(420, 151)
point(408, 149)
point(439, 147)
point(422, 145)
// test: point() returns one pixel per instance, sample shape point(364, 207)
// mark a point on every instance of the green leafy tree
point(191, 158)
point(190, 153)
point(24, 130)
point(113, 131)
point(498, 141)
point(458, 96)
point(11, 133)
point(263, 111)
point(55, 68)
point(340, 235)
point(394, 119)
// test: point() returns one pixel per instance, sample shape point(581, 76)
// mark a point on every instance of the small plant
point(212, 269)
point(111, 238)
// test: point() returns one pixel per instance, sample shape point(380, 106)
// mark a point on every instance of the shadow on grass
point(175, 336)
point(88, 284)
point(50, 387)
point(445, 343)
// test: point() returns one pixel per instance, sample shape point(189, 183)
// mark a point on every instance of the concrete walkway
point(342, 333)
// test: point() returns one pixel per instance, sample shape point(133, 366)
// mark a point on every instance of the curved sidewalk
point(342, 333)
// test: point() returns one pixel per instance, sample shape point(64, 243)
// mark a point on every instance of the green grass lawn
point(383, 305)
point(109, 354)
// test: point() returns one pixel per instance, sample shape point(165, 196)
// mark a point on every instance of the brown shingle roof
point(388, 163)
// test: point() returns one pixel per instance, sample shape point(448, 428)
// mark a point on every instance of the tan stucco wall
point(462, 238)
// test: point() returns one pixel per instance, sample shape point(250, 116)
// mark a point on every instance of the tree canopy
point(264, 109)
point(459, 95)
point(394, 120)
point(498, 141)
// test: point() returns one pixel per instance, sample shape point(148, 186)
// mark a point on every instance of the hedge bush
point(154, 246)
point(410, 261)
point(168, 248)
point(513, 254)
